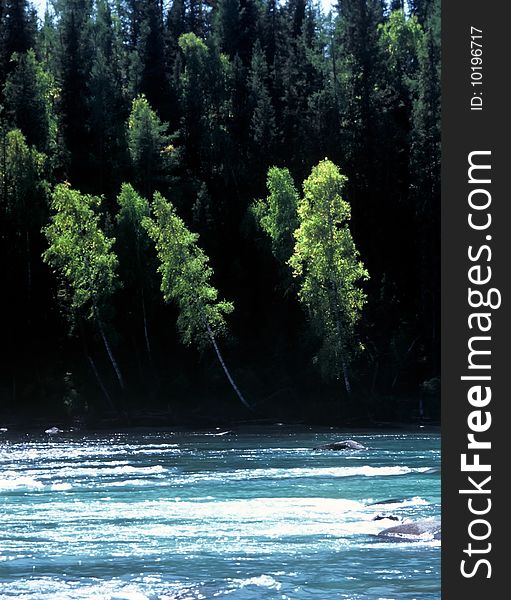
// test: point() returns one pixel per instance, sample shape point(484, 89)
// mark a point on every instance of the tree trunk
point(110, 354)
point(335, 289)
point(100, 381)
point(346, 377)
point(95, 370)
point(146, 331)
point(226, 370)
point(29, 265)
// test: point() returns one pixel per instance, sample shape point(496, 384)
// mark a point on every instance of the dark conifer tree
point(17, 32)
point(75, 65)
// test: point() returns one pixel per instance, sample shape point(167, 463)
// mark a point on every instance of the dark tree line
point(223, 108)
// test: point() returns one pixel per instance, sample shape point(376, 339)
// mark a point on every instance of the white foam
point(265, 581)
point(17, 483)
point(299, 472)
point(61, 487)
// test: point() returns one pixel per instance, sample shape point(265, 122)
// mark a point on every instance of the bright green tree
point(186, 276)
point(277, 214)
point(82, 256)
point(22, 199)
point(327, 264)
point(133, 247)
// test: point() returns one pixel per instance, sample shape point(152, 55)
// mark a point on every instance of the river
point(200, 515)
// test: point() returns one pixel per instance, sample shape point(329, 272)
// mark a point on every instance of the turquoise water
point(246, 515)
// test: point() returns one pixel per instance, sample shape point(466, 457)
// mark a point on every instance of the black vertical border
point(464, 131)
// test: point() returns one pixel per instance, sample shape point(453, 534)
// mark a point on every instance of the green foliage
point(277, 214)
point(132, 210)
point(23, 192)
point(21, 169)
point(263, 127)
point(217, 93)
point(80, 253)
point(327, 264)
point(132, 237)
point(148, 146)
point(186, 275)
point(30, 94)
point(400, 37)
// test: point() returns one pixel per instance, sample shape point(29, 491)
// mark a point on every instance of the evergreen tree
point(17, 32)
point(193, 96)
point(75, 62)
point(30, 94)
point(425, 182)
point(151, 51)
point(263, 126)
point(148, 146)
point(106, 105)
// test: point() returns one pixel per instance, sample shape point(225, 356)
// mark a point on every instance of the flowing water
point(246, 515)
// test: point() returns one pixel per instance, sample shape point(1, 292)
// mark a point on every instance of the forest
point(220, 210)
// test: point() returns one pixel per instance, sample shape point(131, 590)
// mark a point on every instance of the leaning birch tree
point(186, 275)
point(81, 255)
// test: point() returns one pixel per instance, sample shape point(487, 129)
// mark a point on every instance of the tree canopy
point(228, 109)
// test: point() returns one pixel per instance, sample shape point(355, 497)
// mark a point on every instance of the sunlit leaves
point(80, 252)
point(327, 265)
point(186, 275)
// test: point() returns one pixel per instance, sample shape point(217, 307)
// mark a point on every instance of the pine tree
point(75, 62)
point(263, 126)
point(151, 51)
point(17, 32)
point(106, 105)
point(148, 146)
point(30, 92)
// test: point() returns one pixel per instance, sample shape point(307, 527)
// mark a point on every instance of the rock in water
point(389, 501)
point(53, 431)
point(342, 445)
point(389, 517)
point(413, 532)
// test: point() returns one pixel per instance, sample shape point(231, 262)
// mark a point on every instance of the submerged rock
point(342, 445)
point(389, 501)
point(53, 431)
point(413, 532)
point(389, 517)
point(432, 471)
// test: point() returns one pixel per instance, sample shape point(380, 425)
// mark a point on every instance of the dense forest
point(219, 209)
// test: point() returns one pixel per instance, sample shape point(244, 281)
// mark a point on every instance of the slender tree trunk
point(226, 370)
point(400, 367)
point(95, 371)
point(110, 354)
point(335, 289)
point(346, 376)
point(29, 265)
point(100, 381)
point(146, 331)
